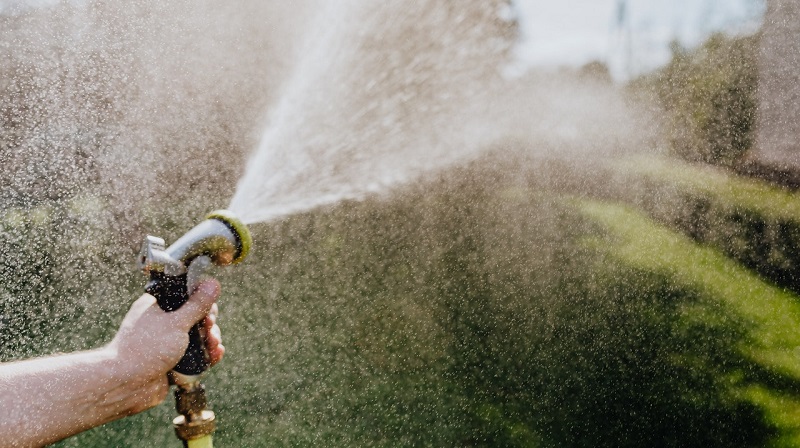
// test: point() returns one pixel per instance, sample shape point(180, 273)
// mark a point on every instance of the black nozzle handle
point(171, 292)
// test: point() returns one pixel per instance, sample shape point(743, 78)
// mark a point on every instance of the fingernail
point(216, 332)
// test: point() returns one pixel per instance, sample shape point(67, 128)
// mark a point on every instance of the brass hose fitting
point(194, 421)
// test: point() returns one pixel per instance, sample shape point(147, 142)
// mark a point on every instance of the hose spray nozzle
point(221, 239)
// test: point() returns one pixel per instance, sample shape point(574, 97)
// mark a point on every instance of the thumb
point(198, 305)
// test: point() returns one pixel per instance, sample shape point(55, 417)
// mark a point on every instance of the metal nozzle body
point(223, 241)
point(220, 239)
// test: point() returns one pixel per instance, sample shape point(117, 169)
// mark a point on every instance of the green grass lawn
point(771, 314)
point(749, 220)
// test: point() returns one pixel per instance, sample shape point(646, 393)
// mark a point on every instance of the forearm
point(45, 400)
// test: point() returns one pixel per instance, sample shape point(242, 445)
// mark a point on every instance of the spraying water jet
point(221, 239)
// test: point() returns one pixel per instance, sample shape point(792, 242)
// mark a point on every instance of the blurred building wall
point(778, 135)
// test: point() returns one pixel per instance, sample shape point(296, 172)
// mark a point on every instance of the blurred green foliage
point(709, 95)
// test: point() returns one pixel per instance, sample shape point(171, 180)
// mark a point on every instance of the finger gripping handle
point(171, 293)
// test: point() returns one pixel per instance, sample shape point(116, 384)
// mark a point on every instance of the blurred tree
point(709, 95)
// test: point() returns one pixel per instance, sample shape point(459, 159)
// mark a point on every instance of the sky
point(631, 36)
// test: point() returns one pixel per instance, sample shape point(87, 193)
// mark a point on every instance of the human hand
point(150, 342)
point(46, 399)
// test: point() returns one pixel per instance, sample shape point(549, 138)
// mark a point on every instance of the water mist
point(383, 93)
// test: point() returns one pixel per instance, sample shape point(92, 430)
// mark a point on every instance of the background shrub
point(709, 95)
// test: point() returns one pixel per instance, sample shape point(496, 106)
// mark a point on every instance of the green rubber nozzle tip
point(239, 228)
